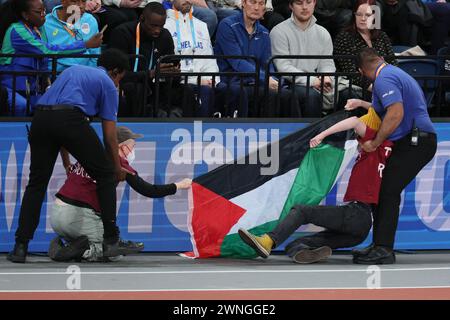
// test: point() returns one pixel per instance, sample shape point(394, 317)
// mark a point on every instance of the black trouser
point(273, 103)
point(346, 226)
point(311, 106)
point(51, 130)
point(402, 166)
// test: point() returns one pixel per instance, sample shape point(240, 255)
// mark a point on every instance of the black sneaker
point(377, 255)
point(19, 253)
point(306, 256)
point(362, 252)
point(55, 246)
point(121, 247)
point(74, 250)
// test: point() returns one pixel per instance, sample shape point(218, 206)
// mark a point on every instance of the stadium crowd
point(255, 30)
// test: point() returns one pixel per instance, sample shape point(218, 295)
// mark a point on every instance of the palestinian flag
point(237, 196)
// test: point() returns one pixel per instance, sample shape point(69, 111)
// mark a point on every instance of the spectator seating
point(418, 68)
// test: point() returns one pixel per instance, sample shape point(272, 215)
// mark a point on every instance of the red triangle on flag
point(212, 217)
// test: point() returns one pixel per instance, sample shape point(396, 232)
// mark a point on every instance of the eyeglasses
point(41, 12)
point(360, 15)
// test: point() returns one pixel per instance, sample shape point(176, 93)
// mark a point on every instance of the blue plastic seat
point(422, 67)
point(444, 67)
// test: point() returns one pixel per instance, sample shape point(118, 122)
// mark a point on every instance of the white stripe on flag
point(264, 203)
point(351, 149)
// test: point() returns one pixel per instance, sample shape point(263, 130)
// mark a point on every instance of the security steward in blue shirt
point(61, 120)
point(399, 100)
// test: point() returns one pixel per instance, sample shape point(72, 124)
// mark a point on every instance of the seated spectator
point(300, 35)
point(21, 28)
point(404, 20)
point(153, 42)
point(191, 37)
point(440, 9)
point(271, 18)
point(112, 14)
point(224, 8)
point(107, 12)
point(243, 35)
point(76, 214)
point(282, 7)
point(201, 11)
point(60, 31)
point(360, 34)
point(334, 15)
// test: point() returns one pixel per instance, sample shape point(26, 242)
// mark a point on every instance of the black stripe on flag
point(231, 180)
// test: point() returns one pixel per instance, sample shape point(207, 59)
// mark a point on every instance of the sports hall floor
point(418, 275)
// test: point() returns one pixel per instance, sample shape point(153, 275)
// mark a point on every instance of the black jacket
point(150, 190)
point(124, 38)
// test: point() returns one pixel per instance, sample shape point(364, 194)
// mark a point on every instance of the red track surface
point(315, 294)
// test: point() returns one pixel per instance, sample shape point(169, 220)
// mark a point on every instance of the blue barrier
point(162, 223)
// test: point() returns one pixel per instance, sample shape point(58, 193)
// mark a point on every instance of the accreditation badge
point(85, 28)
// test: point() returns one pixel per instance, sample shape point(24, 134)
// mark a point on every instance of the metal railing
point(38, 81)
point(184, 76)
point(432, 84)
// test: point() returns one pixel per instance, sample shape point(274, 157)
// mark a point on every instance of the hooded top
point(59, 32)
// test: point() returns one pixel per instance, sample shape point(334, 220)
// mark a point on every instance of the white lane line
point(223, 289)
point(225, 271)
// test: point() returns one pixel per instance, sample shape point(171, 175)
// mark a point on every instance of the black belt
point(56, 107)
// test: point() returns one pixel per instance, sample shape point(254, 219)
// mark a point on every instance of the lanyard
point(64, 25)
point(138, 45)
point(35, 30)
point(72, 34)
point(177, 22)
point(379, 68)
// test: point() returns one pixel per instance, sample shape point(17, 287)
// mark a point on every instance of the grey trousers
point(71, 222)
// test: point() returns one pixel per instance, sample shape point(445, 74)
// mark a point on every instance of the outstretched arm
point(153, 190)
point(344, 125)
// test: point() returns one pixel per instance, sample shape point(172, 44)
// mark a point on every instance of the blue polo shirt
point(90, 89)
point(394, 85)
point(232, 39)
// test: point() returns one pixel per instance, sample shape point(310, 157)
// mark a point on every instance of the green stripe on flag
point(315, 178)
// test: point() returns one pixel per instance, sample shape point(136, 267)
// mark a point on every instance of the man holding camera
point(148, 37)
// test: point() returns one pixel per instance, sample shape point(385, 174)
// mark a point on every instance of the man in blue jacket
point(243, 34)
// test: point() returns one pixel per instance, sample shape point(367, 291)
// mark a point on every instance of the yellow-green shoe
point(262, 245)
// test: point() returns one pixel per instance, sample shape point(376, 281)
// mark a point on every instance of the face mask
point(130, 157)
